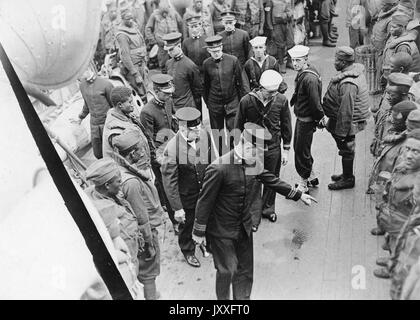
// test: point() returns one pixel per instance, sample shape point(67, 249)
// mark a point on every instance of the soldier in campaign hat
point(230, 196)
point(116, 212)
point(194, 45)
point(185, 73)
point(235, 41)
point(186, 158)
point(400, 40)
point(397, 90)
point(270, 109)
point(225, 83)
point(157, 118)
point(308, 110)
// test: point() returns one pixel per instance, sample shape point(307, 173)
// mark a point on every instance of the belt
point(305, 119)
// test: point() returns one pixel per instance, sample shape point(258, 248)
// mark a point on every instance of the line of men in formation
point(395, 176)
point(151, 20)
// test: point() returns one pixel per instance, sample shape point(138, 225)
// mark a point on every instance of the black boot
point(336, 177)
point(325, 39)
point(347, 181)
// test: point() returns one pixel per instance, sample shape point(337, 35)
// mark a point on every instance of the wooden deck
point(309, 253)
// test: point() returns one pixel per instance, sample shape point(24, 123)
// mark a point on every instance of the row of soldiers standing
point(273, 19)
point(395, 177)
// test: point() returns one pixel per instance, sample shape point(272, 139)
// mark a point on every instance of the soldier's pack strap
point(102, 258)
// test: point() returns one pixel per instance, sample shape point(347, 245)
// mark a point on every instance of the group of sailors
point(210, 181)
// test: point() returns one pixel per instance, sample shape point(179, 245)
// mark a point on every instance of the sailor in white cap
point(308, 110)
point(261, 62)
point(270, 109)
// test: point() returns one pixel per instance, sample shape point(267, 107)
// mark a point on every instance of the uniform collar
point(218, 60)
point(158, 102)
point(119, 115)
point(177, 58)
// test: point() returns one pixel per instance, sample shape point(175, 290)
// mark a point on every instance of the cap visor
point(171, 90)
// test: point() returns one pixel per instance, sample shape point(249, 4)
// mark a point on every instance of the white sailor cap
point(271, 80)
point(258, 41)
point(298, 51)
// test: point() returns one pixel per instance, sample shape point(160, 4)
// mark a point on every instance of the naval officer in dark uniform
point(225, 83)
point(231, 192)
point(194, 47)
point(235, 41)
point(186, 158)
point(157, 119)
point(187, 80)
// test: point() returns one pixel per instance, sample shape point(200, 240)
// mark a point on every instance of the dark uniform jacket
point(187, 81)
point(307, 97)
point(194, 49)
point(275, 116)
point(97, 97)
point(183, 169)
point(230, 196)
point(224, 80)
point(156, 118)
point(237, 44)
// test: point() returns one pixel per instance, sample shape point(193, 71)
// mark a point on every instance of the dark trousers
point(272, 162)
point(234, 262)
point(346, 149)
point(302, 143)
point(162, 56)
point(356, 37)
point(283, 39)
point(218, 114)
point(96, 133)
point(162, 195)
point(185, 240)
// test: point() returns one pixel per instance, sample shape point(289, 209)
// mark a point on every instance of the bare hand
point(199, 240)
point(307, 199)
point(122, 257)
point(180, 216)
point(120, 245)
point(76, 120)
point(285, 157)
point(151, 251)
point(139, 79)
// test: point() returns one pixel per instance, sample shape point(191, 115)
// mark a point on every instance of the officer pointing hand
point(306, 199)
point(199, 240)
